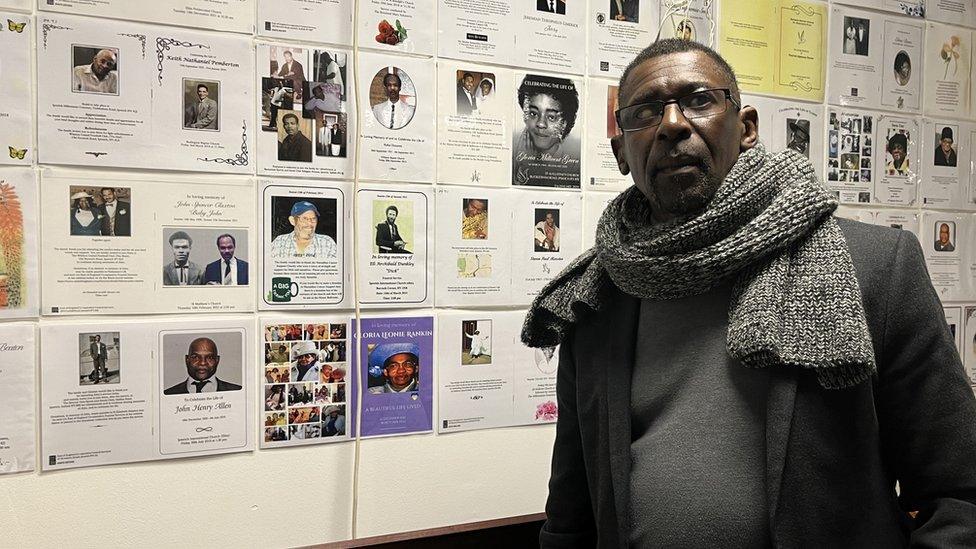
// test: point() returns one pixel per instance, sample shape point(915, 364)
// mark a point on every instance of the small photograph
point(307, 362)
point(798, 135)
point(333, 351)
point(329, 67)
point(333, 421)
point(393, 368)
point(337, 375)
point(832, 174)
point(945, 236)
point(896, 153)
point(201, 100)
point(685, 30)
point(274, 398)
point(865, 162)
point(95, 69)
point(300, 394)
point(100, 211)
point(303, 432)
point(475, 342)
point(546, 233)
point(339, 395)
point(323, 394)
point(903, 68)
point(851, 144)
point(394, 226)
point(864, 197)
point(474, 218)
point(612, 127)
point(276, 95)
point(303, 228)
point(276, 372)
point(625, 10)
point(474, 265)
point(294, 137)
point(306, 414)
point(330, 135)
point(288, 64)
point(204, 257)
point(833, 163)
point(275, 419)
point(99, 358)
point(832, 143)
point(283, 332)
point(856, 33)
point(475, 93)
point(316, 331)
point(275, 434)
point(855, 175)
point(321, 98)
point(337, 330)
point(832, 120)
point(552, 6)
point(945, 148)
point(393, 98)
point(865, 175)
point(868, 124)
point(845, 175)
point(191, 362)
point(851, 124)
point(850, 161)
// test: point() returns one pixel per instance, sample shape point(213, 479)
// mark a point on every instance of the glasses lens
point(642, 115)
point(703, 103)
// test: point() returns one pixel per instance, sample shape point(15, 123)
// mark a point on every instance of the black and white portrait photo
point(856, 31)
point(201, 104)
point(99, 358)
point(392, 98)
point(798, 135)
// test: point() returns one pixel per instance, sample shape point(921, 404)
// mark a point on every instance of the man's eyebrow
point(682, 89)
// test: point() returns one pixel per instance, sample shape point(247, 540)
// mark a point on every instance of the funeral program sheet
point(17, 366)
point(129, 244)
point(225, 15)
point(308, 387)
point(119, 94)
point(16, 109)
point(119, 391)
point(310, 20)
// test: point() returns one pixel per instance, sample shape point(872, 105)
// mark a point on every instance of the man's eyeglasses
point(699, 104)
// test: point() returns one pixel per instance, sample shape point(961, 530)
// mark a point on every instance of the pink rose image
point(547, 411)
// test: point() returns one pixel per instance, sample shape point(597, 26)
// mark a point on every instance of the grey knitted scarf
point(795, 299)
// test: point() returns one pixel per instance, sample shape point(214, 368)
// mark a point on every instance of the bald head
point(202, 359)
point(103, 63)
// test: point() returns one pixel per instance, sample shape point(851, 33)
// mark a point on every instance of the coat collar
point(617, 336)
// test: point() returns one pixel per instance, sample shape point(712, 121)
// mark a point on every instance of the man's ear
point(749, 117)
point(617, 145)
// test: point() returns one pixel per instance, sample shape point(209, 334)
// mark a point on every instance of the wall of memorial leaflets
point(292, 232)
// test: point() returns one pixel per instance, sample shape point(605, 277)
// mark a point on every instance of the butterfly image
point(17, 153)
point(16, 27)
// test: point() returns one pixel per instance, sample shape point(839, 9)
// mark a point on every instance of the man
point(201, 361)
point(400, 365)
point(945, 155)
point(303, 241)
point(394, 113)
point(319, 104)
point(898, 149)
point(547, 234)
point(551, 6)
point(466, 103)
point(474, 226)
point(388, 238)
point(738, 368)
point(943, 243)
point(279, 355)
point(294, 147)
point(99, 354)
point(292, 70)
point(228, 270)
point(306, 365)
point(204, 111)
point(117, 221)
point(799, 136)
point(182, 271)
point(623, 10)
point(329, 72)
point(99, 76)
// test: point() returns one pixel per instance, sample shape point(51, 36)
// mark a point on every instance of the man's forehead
point(674, 73)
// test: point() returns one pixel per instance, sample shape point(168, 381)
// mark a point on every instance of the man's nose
point(674, 125)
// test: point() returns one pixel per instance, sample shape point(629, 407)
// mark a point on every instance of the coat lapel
point(779, 419)
point(620, 337)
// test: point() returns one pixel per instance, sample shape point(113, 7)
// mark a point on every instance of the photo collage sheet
point(278, 172)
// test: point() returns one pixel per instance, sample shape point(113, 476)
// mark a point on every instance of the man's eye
point(698, 101)
point(645, 112)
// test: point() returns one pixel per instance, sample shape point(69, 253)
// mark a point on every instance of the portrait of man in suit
point(388, 238)
point(393, 111)
point(117, 220)
point(181, 271)
point(99, 353)
point(295, 146)
point(466, 102)
point(201, 111)
point(551, 6)
point(202, 359)
point(229, 270)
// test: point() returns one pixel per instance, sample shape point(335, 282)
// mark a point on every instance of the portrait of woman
point(850, 40)
point(903, 68)
point(86, 217)
point(485, 95)
point(549, 106)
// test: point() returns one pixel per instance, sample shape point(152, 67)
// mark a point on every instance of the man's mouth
point(677, 165)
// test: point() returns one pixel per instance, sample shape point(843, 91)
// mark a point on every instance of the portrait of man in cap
point(399, 366)
point(303, 241)
point(798, 136)
point(945, 153)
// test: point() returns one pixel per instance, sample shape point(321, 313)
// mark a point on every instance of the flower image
point(390, 34)
point(547, 411)
point(950, 55)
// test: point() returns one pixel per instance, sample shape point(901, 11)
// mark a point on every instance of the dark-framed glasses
point(699, 104)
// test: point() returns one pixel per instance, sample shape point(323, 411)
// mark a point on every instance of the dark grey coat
point(832, 456)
